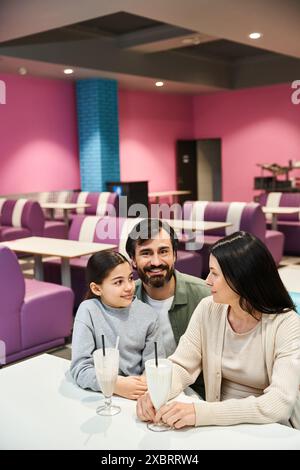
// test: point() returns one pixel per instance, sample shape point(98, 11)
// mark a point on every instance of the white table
point(174, 194)
point(41, 408)
point(194, 230)
point(275, 211)
point(64, 206)
point(65, 249)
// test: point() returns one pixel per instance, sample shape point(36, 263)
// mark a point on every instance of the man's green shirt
point(189, 290)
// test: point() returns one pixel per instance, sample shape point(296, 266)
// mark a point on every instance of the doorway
point(199, 169)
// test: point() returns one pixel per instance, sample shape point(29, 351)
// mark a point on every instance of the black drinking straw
point(155, 350)
point(103, 345)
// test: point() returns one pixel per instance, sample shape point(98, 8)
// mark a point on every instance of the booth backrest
point(101, 204)
point(22, 213)
point(243, 216)
point(282, 200)
point(107, 229)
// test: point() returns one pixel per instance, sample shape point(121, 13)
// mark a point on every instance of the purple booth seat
point(288, 224)
point(112, 230)
point(34, 316)
point(55, 228)
point(244, 216)
point(20, 218)
point(101, 204)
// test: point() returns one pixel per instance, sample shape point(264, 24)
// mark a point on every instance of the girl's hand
point(177, 415)
point(131, 387)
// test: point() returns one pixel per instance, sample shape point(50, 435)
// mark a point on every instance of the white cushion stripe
point(234, 215)
point(17, 212)
point(87, 229)
point(102, 203)
point(126, 229)
point(198, 210)
point(81, 200)
point(273, 200)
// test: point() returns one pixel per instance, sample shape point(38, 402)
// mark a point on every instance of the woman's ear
point(96, 289)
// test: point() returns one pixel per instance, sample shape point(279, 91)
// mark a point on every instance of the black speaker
point(135, 191)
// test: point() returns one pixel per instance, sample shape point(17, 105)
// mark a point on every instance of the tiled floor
point(289, 270)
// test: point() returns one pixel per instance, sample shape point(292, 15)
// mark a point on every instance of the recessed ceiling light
point(22, 71)
point(68, 71)
point(255, 35)
point(187, 40)
point(191, 40)
point(159, 83)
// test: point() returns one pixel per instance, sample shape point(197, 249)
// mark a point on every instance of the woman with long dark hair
point(246, 340)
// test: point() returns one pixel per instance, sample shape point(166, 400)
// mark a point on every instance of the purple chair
point(34, 316)
point(244, 216)
point(288, 224)
point(20, 218)
point(113, 230)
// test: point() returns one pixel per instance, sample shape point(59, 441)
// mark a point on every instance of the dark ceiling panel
point(226, 50)
point(110, 25)
point(120, 23)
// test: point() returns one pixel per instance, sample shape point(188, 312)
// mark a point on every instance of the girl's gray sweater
point(137, 326)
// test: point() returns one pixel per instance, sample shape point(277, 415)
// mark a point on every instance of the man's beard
point(156, 281)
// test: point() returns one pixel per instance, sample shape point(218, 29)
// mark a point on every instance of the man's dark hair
point(147, 229)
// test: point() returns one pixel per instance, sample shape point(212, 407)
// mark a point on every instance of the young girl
point(110, 309)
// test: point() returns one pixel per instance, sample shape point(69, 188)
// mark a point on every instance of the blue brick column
point(98, 131)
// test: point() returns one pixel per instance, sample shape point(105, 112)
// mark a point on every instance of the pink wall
point(38, 136)
point(150, 124)
point(257, 125)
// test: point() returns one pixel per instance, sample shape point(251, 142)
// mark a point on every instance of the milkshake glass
point(159, 379)
point(107, 368)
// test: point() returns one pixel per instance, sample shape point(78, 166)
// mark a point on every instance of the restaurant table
point(66, 207)
point(174, 194)
point(41, 408)
point(192, 232)
point(275, 211)
point(65, 249)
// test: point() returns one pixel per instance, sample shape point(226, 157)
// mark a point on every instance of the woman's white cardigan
point(200, 348)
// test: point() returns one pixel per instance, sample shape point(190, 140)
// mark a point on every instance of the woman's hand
point(131, 387)
point(177, 415)
point(145, 409)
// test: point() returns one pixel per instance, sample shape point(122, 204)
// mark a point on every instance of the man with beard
point(152, 246)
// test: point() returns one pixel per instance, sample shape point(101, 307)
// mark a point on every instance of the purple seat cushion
point(12, 289)
point(41, 315)
point(12, 233)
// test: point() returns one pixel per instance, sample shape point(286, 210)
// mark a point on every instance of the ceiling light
point(187, 40)
point(22, 71)
point(255, 35)
point(68, 71)
point(159, 83)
